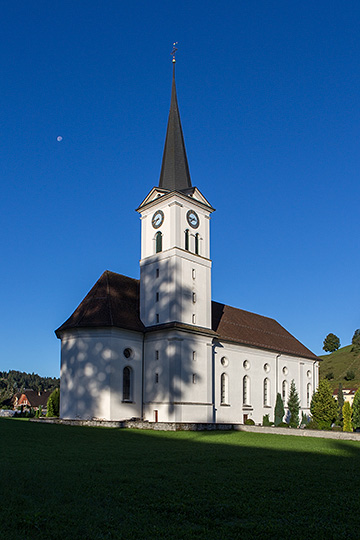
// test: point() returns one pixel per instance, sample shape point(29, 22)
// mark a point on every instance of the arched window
point(266, 392)
point(158, 239)
point(284, 392)
point(187, 239)
point(308, 394)
point(197, 243)
point(224, 389)
point(246, 390)
point(127, 384)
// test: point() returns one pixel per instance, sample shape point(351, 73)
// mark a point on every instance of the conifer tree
point(279, 410)
point(323, 406)
point(340, 404)
point(347, 416)
point(293, 405)
point(356, 410)
point(53, 403)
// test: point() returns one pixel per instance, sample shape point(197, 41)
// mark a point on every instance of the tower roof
point(175, 174)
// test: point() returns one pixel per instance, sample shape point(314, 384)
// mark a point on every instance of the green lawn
point(339, 362)
point(60, 482)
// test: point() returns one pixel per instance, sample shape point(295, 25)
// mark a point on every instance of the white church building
point(158, 348)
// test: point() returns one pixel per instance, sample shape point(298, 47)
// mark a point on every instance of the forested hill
point(15, 381)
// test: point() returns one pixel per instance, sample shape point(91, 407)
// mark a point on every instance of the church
point(159, 349)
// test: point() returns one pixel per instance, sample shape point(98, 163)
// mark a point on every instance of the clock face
point(157, 219)
point(192, 219)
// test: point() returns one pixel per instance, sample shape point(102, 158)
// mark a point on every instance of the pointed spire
point(175, 173)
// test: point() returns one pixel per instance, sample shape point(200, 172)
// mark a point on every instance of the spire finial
point(173, 52)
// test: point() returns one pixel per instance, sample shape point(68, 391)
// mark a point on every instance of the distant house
point(31, 399)
point(348, 394)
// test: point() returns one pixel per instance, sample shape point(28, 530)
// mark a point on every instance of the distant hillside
point(15, 381)
point(339, 363)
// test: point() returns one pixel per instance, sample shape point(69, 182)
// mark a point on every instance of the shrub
point(323, 406)
point(312, 424)
point(350, 375)
point(266, 421)
point(304, 419)
point(53, 403)
point(347, 417)
point(249, 422)
point(279, 410)
point(283, 424)
point(329, 376)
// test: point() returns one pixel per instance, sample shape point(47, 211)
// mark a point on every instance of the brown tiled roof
point(114, 302)
point(33, 397)
point(239, 326)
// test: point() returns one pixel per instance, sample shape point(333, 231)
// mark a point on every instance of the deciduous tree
point(331, 343)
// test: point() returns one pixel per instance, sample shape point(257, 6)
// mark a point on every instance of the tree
point(356, 410)
point(356, 341)
point(279, 410)
point(350, 375)
point(340, 404)
point(331, 343)
point(293, 405)
point(356, 337)
point(347, 417)
point(323, 406)
point(53, 403)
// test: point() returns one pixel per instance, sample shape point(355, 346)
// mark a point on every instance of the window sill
point(127, 401)
point(225, 405)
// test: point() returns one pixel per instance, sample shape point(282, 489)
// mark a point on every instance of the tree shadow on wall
point(107, 322)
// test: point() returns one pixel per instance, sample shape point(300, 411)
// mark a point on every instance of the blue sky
point(269, 95)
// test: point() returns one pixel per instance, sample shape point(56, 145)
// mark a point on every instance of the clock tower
point(175, 265)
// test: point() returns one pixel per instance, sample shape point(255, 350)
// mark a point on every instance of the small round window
point(128, 353)
point(308, 373)
point(285, 370)
point(266, 368)
point(246, 364)
point(224, 361)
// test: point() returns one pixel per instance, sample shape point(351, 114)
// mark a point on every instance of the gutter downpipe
point(142, 378)
point(277, 372)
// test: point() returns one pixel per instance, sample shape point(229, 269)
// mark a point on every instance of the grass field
point(339, 362)
point(60, 482)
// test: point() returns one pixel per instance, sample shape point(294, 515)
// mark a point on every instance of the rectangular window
point(194, 297)
point(194, 378)
point(194, 355)
point(156, 355)
point(194, 318)
point(156, 378)
point(157, 297)
point(157, 272)
point(157, 317)
point(193, 273)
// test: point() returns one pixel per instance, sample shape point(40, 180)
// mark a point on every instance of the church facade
point(158, 348)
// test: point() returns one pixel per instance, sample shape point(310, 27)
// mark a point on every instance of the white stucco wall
point(92, 363)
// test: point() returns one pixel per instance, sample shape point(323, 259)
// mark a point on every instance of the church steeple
point(175, 174)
